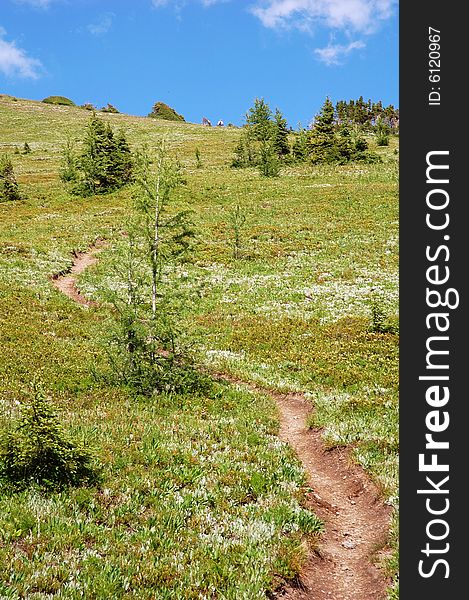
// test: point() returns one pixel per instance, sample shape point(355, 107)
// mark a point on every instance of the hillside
point(199, 498)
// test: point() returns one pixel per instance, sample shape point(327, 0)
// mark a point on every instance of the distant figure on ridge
point(205, 121)
point(220, 123)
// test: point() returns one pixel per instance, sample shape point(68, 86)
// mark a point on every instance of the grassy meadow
point(199, 499)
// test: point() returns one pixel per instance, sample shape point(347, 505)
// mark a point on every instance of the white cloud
point(334, 53)
point(351, 15)
point(15, 62)
point(103, 25)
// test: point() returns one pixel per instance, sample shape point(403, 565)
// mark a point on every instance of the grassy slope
point(196, 490)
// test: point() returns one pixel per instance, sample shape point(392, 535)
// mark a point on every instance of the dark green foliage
point(301, 145)
point(89, 106)
point(259, 120)
point(323, 139)
point(26, 148)
point(269, 163)
point(380, 321)
point(8, 184)
point(147, 351)
point(382, 131)
point(163, 111)
point(237, 222)
point(61, 100)
point(280, 135)
point(345, 143)
point(264, 140)
point(37, 450)
point(366, 114)
point(337, 144)
point(109, 108)
point(245, 153)
point(198, 162)
point(68, 169)
point(104, 164)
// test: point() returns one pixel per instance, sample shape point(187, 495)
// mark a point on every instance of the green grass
point(198, 493)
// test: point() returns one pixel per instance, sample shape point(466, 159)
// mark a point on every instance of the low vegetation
point(36, 450)
point(8, 183)
point(161, 110)
point(60, 100)
point(103, 164)
point(289, 282)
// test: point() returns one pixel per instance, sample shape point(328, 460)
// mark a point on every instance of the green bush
point(109, 108)
point(37, 450)
point(8, 184)
point(163, 111)
point(104, 164)
point(61, 100)
point(269, 163)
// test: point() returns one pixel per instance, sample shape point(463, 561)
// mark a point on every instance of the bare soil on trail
point(356, 519)
point(66, 282)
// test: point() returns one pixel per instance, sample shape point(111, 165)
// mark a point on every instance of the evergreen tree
point(8, 184)
point(280, 135)
point(245, 155)
point(37, 449)
point(323, 142)
point(104, 164)
point(301, 145)
point(259, 120)
point(269, 164)
point(345, 144)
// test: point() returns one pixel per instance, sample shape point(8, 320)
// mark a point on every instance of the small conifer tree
point(37, 450)
point(147, 351)
point(280, 135)
point(104, 163)
point(259, 120)
point(8, 184)
point(323, 142)
point(301, 146)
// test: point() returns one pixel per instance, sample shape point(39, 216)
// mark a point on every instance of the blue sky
point(203, 57)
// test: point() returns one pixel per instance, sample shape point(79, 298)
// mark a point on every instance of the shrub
point(109, 108)
point(61, 100)
point(105, 163)
point(237, 221)
point(245, 154)
point(163, 111)
point(147, 351)
point(8, 184)
point(37, 450)
point(301, 145)
point(382, 131)
point(263, 141)
point(26, 148)
point(68, 170)
point(269, 164)
point(380, 321)
point(88, 106)
point(198, 162)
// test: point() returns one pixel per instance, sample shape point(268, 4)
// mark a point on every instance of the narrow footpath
point(356, 518)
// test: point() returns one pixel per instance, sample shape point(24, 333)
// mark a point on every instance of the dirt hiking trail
point(66, 281)
point(356, 519)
